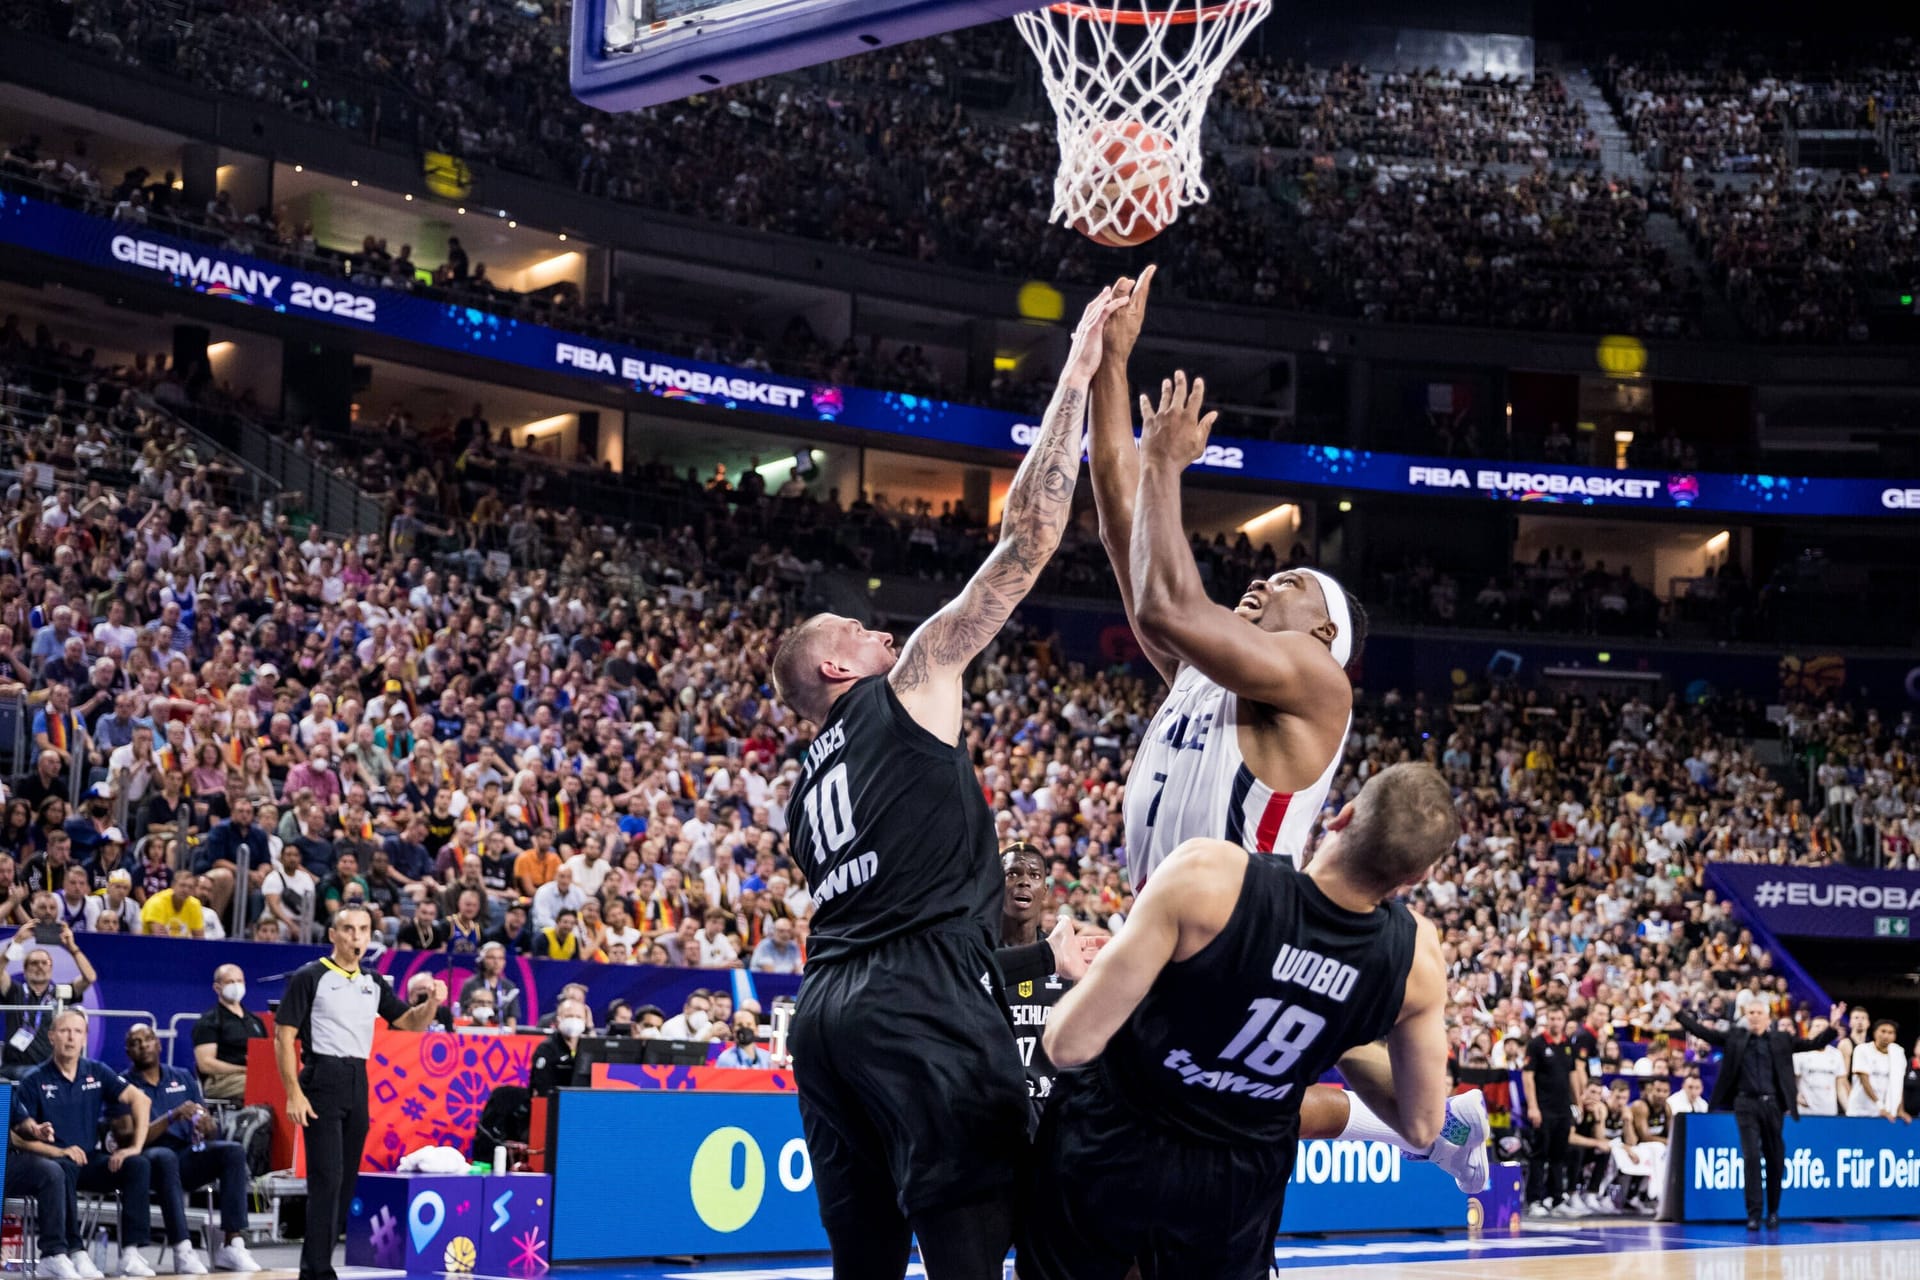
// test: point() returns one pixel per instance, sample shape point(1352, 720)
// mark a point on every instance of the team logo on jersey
point(1026, 990)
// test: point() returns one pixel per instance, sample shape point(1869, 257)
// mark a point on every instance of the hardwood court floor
point(1575, 1250)
point(1570, 1251)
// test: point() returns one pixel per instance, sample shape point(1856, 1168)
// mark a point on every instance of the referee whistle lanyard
point(349, 974)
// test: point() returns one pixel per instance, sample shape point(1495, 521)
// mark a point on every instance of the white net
point(1129, 82)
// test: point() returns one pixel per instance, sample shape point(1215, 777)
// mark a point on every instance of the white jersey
point(1887, 1073)
point(1819, 1073)
point(1189, 780)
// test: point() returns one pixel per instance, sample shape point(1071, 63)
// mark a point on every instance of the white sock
point(1364, 1126)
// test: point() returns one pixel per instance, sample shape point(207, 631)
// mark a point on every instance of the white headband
point(1341, 616)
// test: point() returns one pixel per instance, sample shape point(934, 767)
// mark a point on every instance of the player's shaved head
point(822, 657)
point(796, 669)
point(1403, 823)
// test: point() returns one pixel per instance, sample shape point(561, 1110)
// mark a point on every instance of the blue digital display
point(1835, 1168)
point(729, 1174)
point(99, 242)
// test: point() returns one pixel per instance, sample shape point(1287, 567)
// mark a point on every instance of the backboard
point(629, 54)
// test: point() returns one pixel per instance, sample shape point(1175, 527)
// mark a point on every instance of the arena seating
point(888, 159)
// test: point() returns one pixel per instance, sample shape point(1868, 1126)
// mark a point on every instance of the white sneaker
point(58, 1266)
point(132, 1264)
point(1539, 1209)
point(234, 1257)
point(82, 1263)
point(186, 1262)
point(1461, 1148)
point(1568, 1209)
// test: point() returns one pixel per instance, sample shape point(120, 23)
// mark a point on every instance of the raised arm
point(1292, 671)
point(1116, 458)
point(1827, 1035)
point(927, 676)
point(1694, 1027)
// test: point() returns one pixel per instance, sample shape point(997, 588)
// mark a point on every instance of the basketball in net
point(1131, 185)
point(1129, 82)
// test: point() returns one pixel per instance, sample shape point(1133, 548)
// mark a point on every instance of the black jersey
point(1657, 1121)
point(1227, 1041)
point(1030, 1004)
point(892, 830)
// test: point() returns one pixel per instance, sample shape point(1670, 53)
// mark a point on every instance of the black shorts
point(911, 1088)
point(1110, 1188)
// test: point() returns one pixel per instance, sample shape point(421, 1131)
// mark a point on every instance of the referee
point(330, 1006)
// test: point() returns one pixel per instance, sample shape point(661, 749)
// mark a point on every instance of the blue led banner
point(1822, 902)
point(98, 242)
point(1835, 1168)
point(730, 1175)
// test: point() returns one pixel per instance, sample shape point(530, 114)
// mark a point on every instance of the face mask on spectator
point(698, 1020)
point(647, 1033)
point(745, 1037)
point(572, 1028)
point(481, 1013)
point(234, 992)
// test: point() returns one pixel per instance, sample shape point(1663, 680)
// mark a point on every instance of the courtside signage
point(1820, 902)
point(93, 241)
point(729, 1174)
point(1835, 1168)
point(725, 1174)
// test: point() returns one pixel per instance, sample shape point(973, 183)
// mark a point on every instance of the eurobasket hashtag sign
point(1771, 893)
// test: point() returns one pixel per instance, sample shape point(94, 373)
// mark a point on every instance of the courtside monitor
point(638, 53)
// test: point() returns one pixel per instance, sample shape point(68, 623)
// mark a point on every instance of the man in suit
point(1756, 1083)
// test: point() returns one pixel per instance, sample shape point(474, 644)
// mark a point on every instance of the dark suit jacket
point(1735, 1042)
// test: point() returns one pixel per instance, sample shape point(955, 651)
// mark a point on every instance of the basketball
point(1129, 195)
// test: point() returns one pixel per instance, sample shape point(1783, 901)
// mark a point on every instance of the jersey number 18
point(1289, 1030)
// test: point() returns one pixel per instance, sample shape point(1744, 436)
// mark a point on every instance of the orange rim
point(1143, 18)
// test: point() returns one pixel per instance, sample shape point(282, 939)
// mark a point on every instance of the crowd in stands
point(1689, 121)
point(1463, 193)
point(1430, 115)
point(1550, 250)
point(1802, 255)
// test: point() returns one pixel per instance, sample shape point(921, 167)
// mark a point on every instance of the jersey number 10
point(836, 831)
point(1289, 1029)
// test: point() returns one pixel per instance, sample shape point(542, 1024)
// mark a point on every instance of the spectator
point(28, 1042)
point(745, 1051)
point(291, 896)
point(553, 1058)
point(716, 946)
point(778, 952)
point(491, 974)
point(221, 1034)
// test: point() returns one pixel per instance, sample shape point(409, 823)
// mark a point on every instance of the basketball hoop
point(1129, 82)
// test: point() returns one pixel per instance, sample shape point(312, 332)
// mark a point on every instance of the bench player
point(1250, 735)
point(911, 1089)
point(1235, 983)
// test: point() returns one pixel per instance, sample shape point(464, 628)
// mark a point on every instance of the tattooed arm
point(927, 676)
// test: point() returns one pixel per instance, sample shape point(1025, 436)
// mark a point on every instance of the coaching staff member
point(1756, 1083)
point(330, 1006)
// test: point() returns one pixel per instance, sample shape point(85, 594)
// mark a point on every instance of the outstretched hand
point(1173, 430)
point(1072, 954)
point(1124, 320)
point(1089, 337)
